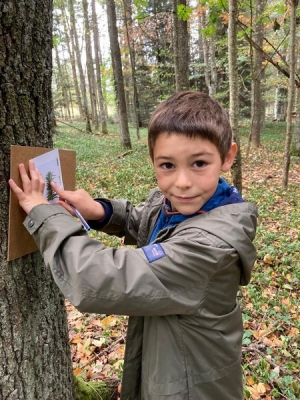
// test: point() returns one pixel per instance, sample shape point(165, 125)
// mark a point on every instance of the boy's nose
point(183, 180)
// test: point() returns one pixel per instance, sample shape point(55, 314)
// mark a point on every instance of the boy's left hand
point(33, 188)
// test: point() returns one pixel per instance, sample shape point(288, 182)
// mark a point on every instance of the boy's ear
point(229, 158)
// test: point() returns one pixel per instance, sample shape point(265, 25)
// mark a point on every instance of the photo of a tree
point(50, 193)
point(48, 165)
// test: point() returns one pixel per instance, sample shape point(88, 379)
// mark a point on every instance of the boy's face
point(188, 170)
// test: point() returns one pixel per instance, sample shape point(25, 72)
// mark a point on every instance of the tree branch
point(266, 56)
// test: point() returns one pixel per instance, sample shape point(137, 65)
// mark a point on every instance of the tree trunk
point(74, 38)
point(291, 92)
point(280, 103)
point(130, 41)
point(34, 346)
point(297, 109)
point(73, 62)
point(257, 108)
point(98, 63)
point(90, 65)
point(209, 57)
point(181, 47)
point(118, 73)
point(233, 89)
point(101, 65)
point(62, 84)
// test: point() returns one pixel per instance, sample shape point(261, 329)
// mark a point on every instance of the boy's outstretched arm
point(32, 195)
point(88, 207)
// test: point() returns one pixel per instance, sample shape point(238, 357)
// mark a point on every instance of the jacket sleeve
point(126, 280)
point(123, 222)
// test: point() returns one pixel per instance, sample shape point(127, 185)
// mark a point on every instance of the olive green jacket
point(185, 327)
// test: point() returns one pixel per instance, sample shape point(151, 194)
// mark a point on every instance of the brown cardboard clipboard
point(20, 241)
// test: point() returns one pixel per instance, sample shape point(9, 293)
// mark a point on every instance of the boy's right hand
point(80, 199)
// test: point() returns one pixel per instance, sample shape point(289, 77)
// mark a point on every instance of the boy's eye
point(199, 164)
point(167, 165)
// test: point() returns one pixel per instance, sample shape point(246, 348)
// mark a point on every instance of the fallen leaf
point(98, 343)
point(109, 321)
point(78, 371)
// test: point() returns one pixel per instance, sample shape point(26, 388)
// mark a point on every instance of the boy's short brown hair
point(194, 114)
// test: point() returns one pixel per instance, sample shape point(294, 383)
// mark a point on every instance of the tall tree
point(98, 62)
point(90, 64)
point(291, 91)
point(296, 141)
point(118, 73)
point(34, 347)
point(128, 26)
point(233, 90)
point(257, 102)
point(208, 45)
point(61, 80)
point(70, 47)
point(75, 43)
point(181, 44)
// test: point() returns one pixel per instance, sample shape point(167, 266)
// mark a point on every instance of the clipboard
point(20, 242)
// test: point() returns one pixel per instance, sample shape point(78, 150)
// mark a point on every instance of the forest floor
point(270, 303)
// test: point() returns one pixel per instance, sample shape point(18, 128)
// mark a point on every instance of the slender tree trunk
point(74, 37)
point(97, 51)
point(128, 25)
point(181, 48)
point(34, 345)
point(62, 84)
point(257, 108)
point(280, 103)
point(103, 82)
point(73, 64)
point(291, 92)
point(89, 65)
point(209, 58)
point(233, 89)
point(127, 81)
point(213, 67)
point(118, 73)
point(297, 108)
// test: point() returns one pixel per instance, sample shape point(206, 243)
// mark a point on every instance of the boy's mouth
point(185, 198)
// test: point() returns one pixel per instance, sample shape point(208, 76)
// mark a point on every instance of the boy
point(194, 248)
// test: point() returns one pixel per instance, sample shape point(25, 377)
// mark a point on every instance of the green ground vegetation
point(270, 303)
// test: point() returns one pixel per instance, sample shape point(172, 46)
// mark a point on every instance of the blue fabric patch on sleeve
point(153, 252)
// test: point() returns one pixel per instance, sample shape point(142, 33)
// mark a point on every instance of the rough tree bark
point(34, 347)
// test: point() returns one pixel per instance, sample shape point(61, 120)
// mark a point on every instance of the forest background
point(113, 62)
point(113, 68)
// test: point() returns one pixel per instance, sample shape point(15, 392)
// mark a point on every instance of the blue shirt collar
point(224, 194)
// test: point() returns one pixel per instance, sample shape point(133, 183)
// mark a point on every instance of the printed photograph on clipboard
point(49, 166)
